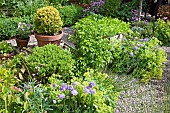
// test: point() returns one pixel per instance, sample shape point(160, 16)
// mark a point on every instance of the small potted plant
point(48, 26)
point(6, 50)
point(24, 30)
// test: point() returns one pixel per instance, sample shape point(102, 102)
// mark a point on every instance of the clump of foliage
point(159, 29)
point(6, 48)
point(8, 26)
point(94, 92)
point(162, 31)
point(111, 7)
point(47, 21)
point(28, 7)
point(70, 14)
point(7, 90)
point(50, 59)
point(91, 40)
point(141, 58)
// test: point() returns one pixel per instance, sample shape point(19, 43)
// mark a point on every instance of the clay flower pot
point(22, 43)
point(44, 39)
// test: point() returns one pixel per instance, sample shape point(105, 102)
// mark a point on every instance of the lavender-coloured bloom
point(89, 86)
point(54, 101)
point(140, 45)
point(135, 48)
point(86, 90)
point(146, 22)
point(61, 96)
point(131, 54)
point(75, 83)
point(70, 87)
point(63, 87)
point(146, 39)
point(92, 91)
point(74, 92)
point(93, 83)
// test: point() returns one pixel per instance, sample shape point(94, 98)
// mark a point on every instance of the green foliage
point(47, 21)
point(56, 2)
point(7, 90)
point(96, 92)
point(159, 29)
point(91, 40)
point(24, 30)
point(162, 31)
point(50, 59)
point(111, 7)
point(6, 48)
point(28, 7)
point(7, 7)
point(70, 14)
point(8, 26)
point(125, 10)
point(140, 57)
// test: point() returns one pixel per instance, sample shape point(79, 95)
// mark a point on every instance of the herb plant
point(94, 92)
point(24, 30)
point(48, 60)
point(92, 40)
point(47, 21)
point(6, 48)
point(141, 58)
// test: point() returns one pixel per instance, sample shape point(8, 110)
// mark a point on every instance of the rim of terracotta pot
point(22, 40)
point(49, 38)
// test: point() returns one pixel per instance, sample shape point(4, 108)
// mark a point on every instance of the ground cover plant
point(91, 40)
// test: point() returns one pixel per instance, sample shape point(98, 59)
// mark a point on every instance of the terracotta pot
point(44, 39)
point(7, 56)
point(22, 43)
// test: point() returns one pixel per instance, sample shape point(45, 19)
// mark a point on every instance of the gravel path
point(153, 97)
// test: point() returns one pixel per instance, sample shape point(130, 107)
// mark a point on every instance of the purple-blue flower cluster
point(95, 7)
point(73, 91)
point(89, 89)
point(136, 47)
point(70, 88)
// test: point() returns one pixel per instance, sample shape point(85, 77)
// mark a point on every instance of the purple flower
point(70, 87)
point(135, 48)
point(145, 40)
point(63, 87)
point(92, 91)
point(61, 96)
point(74, 92)
point(146, 22)
point(75, 83)
point(54, 85)
point(131, 54)
point(89, 86)
point(86, 90)
point(140, 45)
point(93, 83)
point(54, 101)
